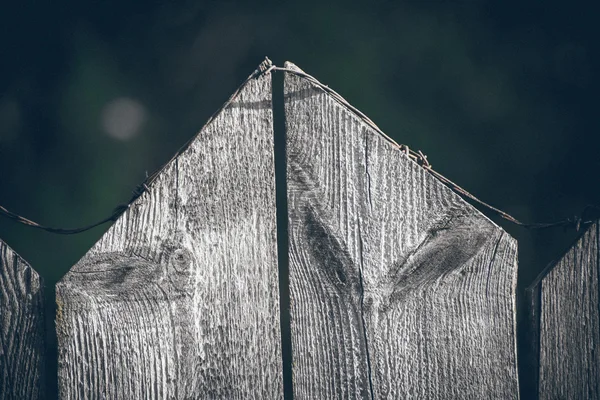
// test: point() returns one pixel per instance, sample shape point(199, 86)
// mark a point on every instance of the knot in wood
point(181, 260)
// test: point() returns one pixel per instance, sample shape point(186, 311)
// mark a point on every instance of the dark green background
point(500, 95)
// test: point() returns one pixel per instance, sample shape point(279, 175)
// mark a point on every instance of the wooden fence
point(398, 288)
point(565, 319)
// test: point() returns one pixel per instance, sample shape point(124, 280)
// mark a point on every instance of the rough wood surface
point(399, 289)
point(569, 323)
point(22, 361)
point(179, 299)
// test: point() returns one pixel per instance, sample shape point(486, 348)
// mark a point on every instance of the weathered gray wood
point(399, 288)
point(179, 299)
point(569, 323)
point(21, 328)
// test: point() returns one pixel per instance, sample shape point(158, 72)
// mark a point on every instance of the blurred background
point(501, 96)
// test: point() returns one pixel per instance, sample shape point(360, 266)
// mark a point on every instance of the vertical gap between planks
point(51, 344)
point(528, 340)
point(282, 231)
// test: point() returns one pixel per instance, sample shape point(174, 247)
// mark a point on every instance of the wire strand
point(417, 156)
point(422, 160)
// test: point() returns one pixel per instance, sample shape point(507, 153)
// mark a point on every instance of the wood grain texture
point(569, 323)
point(179, 299)
point(22, 352)
point(399, 288)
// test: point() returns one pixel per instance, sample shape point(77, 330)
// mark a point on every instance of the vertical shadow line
point(528, 356)
point(282, 231)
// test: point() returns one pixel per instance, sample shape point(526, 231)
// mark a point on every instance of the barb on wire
point(417, 156)
point(421, 159)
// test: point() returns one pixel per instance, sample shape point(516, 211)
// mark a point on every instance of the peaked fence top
point(397, 286)
point(180, 296)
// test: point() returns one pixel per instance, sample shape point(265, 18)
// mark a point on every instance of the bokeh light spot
point(122, 118)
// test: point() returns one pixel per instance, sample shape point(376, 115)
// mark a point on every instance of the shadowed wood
point(567, 310)
point(21, 328)
point(179, 299)
point(399, 288)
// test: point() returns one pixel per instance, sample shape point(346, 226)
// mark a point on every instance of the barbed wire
point(421, 159)
point(577, 221)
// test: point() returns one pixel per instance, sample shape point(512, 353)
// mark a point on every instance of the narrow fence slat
point(399, 288)
point(568, 318)
point(179, 299)
point(22, 352)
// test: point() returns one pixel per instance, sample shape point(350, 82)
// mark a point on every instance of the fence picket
point(399, 288)
point(22, 352)
point(566, 323)
point(179, 299)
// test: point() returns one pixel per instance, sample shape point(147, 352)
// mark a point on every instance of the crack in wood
point(362, 309)
point(389, 269)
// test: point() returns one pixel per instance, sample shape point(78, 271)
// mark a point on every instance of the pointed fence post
point(22, 352)
point(566, 323)
point(179, 299)
point(399, 288)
